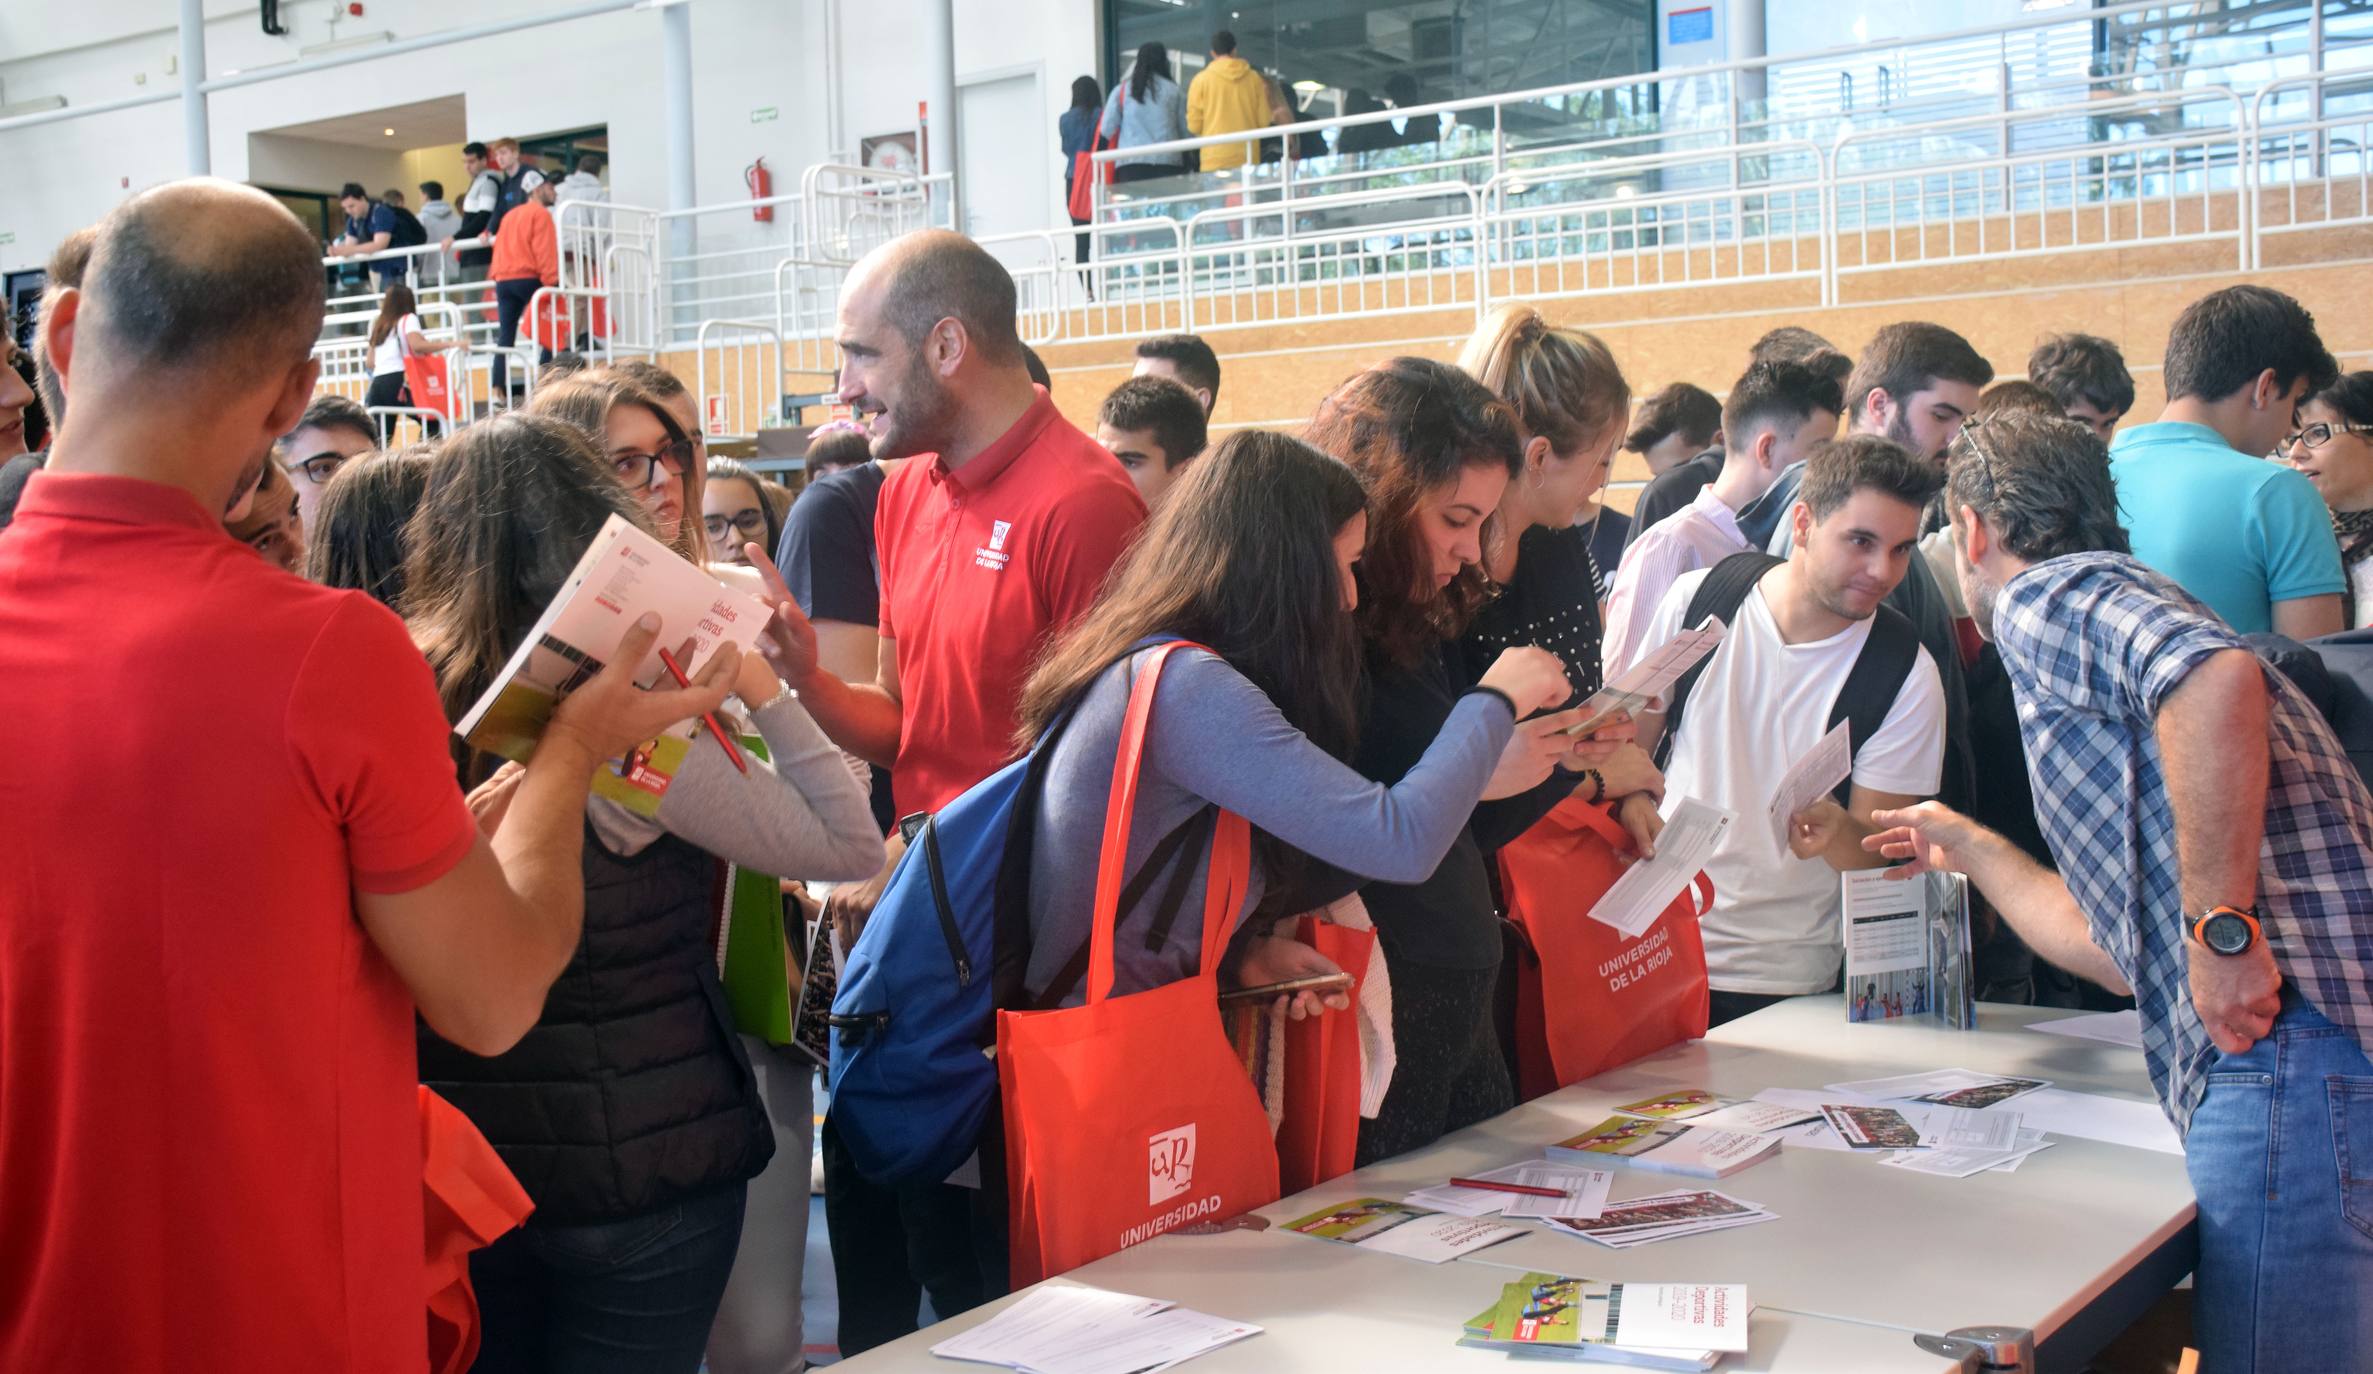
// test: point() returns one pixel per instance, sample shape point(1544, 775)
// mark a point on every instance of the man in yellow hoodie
point(1229, 97)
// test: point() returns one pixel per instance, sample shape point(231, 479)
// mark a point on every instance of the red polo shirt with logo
point(980, 567)
point(210, 1132)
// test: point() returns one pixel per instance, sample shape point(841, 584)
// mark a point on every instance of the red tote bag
point(1084, 171)
point(469, 1199)
point(1126, 1117)
point(1588, 997)
point(1320, 1133)
point(425, 377)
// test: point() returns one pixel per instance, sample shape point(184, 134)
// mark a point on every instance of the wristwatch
point(2226, 929)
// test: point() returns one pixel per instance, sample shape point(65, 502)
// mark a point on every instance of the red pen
point(732, 750)
point(1525, 1188)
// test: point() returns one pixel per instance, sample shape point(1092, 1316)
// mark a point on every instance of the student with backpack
point(374, 226)
point(1808, 645)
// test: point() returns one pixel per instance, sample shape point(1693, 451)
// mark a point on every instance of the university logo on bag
point(1169, 1163)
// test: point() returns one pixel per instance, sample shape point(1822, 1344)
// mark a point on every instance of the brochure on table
point(1058, 1329)
point(1396, 1228)
point(1645, 1325)
point(1907, 947)
point(1665, 1146)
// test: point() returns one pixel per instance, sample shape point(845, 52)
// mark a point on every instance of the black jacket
point(632, 1091)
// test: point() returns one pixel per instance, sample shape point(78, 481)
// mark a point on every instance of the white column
point(675, 77)
point(939, 74)
point(1747, 41)
point(197, 138)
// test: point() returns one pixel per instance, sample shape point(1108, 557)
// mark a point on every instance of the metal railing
point(737, 377)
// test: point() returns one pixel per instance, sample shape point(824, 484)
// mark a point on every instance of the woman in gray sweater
point(1251, 557)
point(1148, 108)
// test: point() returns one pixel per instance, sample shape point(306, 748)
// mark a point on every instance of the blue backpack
point(913, 1083)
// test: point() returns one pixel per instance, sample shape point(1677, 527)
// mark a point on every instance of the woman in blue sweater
point(1251, 557)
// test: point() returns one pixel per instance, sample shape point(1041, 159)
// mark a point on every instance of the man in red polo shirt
point(235, 860)
point(995, 538)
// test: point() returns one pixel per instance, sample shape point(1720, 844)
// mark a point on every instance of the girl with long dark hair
point(628, 1113)
point(1252, 558)
point(1147, 108)
point(395, 336)
point(1077, 128)
point(1437, 451)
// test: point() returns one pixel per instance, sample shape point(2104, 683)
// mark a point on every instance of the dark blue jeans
point(2281, 1156)
point(614, 1297)
point(510, 306)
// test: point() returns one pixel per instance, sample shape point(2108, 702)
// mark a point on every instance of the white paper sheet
point(1967, 1128)
point(1437, 1239)
point(1829, 763)
point(2111, 1119)
point(1963, 1163)
point(1633, 901)
point(1652, 677)
point(1586, 1192)
point(1883, 920)
point(1758, 1118)
point(1471, 1202)
point(1068, 1330)
point(1907, 1085)
point(2113, 1027)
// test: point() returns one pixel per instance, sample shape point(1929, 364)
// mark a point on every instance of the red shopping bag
point(1084, 171)
point(431, 386)
point(1320, 1133)
point(1126, 1117)
point(470, 1198)
point(1589, 998)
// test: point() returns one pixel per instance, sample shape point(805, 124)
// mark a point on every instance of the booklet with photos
point(622, 574)
point(1680, 1326)
point(1669, 1147)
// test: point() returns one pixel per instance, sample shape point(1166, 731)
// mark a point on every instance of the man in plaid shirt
point(2218, 852)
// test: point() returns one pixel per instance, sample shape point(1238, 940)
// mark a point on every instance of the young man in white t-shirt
point(1773, 417)
point(1764, 699)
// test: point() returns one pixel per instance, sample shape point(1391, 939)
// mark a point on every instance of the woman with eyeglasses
point(734, 512)
point(647, 448)
point(2333, 448)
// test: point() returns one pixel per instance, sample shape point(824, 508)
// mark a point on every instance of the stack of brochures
point(1667, 1147)
point(1678, 1326)
point(1059, 1329)
point(1666, 1216)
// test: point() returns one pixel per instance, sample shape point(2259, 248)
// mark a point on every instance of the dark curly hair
point(1409, 427)
point(2042, 484)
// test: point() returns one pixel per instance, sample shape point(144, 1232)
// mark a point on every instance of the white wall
point(747, 55)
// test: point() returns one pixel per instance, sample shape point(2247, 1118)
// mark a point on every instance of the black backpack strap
point(1874, 682)
point(1176, 853)
point(1720, 595)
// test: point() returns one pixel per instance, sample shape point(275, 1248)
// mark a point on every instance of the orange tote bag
point(1129, 1116)
point(1320, 1134)
point(1588, 997)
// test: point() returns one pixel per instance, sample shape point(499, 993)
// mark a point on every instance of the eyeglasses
point(321, 467)
point(634, 469)
point(1969, 434)
point(751, 523)
point(2319, 434)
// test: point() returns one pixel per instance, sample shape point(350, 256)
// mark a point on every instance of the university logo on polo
point(1169, 1163)
point(992, 555)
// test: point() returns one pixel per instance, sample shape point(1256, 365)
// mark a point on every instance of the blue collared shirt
point(2095, 643)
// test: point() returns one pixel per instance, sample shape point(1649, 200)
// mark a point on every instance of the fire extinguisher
point(762, 184)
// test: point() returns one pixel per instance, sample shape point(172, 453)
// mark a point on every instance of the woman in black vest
point(629, 1113)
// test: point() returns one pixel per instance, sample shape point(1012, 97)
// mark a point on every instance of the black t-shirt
point(829, 562)
point(827, 553)
point(1673, 489)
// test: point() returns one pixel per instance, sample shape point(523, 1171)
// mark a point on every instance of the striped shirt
point(2095, 643)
